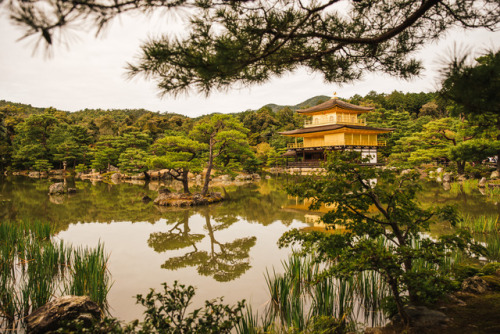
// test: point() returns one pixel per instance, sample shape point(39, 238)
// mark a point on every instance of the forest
point(427, 129)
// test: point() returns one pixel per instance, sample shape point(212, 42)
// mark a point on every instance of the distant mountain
point(313, 101)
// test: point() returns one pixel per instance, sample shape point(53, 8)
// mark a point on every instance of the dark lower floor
point(312, 157)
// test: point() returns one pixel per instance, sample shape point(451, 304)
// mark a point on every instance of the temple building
point(333, 125)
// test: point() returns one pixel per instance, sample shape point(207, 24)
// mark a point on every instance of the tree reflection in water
point(224, 261)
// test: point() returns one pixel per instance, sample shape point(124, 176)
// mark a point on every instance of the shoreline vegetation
point(301, 302)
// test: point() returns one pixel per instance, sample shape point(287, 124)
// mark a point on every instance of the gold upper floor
point(334, 118)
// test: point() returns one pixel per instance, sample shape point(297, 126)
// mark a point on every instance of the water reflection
point(224, 261)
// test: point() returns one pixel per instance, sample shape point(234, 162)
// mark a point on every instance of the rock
point(494, 175)
point(243, 177)
point(482, 183)
point(146, 199)
point(198, 178)
point(255, 176)
point(455, 300)
point(57, 188)
point(439, 179)
point(373, 330)
point(439, 170)
point(71, 190)
point(34, 174)
point(139, 176)
point(113, 169)
point(446, 186)
point(154, 174)
point(446, 177)
point(226, 178)
point(53, 314)
point(268, 177)
point(475, 285)
point(421, 316)
point(405, 171)
point(164, 191)
point(461, 178)
point(181, 200)
point(116, 177)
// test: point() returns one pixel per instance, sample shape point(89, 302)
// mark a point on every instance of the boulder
point(52, 315)
point(116, 176)
point(421, 316)
point(255, 176)
point(226, 178)
point(439, 170)
point(34, 174)
point(139, 176)
point(268, 177)
point(482, 183)
point(439, 179)
point(446, 177)
point(113, 169)
point(475, 285)
point(154, 174)
point(57, 188)
point(494, 175)
point(446, 186)
point(198, 178)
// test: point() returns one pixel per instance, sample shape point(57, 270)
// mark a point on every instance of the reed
point(493, 192)
point(469, 185)
point(456, 188)
point(301, 298)
point(480, 224)
point(34, 268)
point(90, 275)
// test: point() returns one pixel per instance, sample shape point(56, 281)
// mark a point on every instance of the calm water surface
point(222, 250)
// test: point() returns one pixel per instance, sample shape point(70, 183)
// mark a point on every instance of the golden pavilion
point(333, 125)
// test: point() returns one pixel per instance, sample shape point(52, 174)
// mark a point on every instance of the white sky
point(90, 73)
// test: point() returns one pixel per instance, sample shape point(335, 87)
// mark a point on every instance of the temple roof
point(334, 102)
point(331, 127)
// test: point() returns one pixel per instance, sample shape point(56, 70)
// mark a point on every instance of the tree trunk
point(397, 298)
point(209, 169)
point(185, 181)
point(498, 153)
point(461, 167)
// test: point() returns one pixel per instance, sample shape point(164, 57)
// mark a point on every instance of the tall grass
point(302, 295)
point(34, 268)
point(469, 185)
point(456, 188)
point(480, 224)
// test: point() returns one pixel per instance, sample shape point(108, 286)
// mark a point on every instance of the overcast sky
point(89, 73)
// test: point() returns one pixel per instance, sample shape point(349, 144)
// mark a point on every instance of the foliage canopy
point(247, 42)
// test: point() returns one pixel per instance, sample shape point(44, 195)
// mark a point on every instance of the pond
point(222, 250)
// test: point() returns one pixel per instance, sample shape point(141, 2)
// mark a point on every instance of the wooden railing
point(310, 123)
point(339, 143)
point(295, 145)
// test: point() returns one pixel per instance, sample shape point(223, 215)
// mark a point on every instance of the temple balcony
point(341, 143)
point(316, 122)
